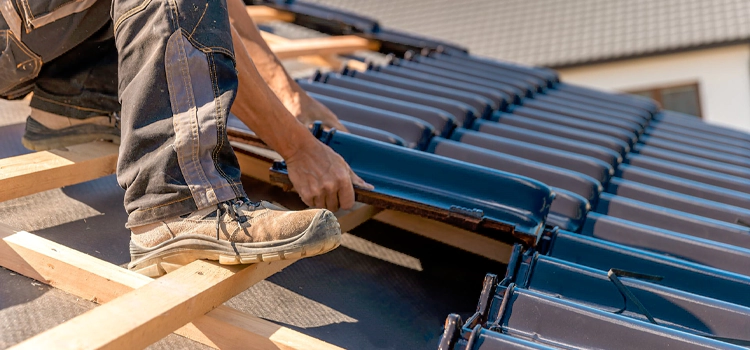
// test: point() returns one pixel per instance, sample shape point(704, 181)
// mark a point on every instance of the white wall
point(722, 74)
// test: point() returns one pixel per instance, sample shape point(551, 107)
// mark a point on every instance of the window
point(682, 98)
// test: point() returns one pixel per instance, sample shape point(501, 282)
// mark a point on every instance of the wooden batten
point(450, 235)
point(356, 65)
point(153, 311)
point(271, 38)
point(101, 282)
point(330, 61)
point(331, 45)
point(41, 171)
point(263, 14)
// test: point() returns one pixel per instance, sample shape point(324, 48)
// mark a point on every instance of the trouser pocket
point(38, 13)
point(18, 64)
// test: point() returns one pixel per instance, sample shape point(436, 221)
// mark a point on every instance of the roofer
point(179, 66)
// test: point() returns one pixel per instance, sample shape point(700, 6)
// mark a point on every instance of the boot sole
point(38, 137)
point(65, 141)
point(322, 236)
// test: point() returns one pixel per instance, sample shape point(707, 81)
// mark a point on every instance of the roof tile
point(564, 32)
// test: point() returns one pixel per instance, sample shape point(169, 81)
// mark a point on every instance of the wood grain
point(99, 281)
point(36, 172)
point(448, 234)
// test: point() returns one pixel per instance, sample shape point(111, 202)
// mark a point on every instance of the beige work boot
point(234, 232)
point(45, 130)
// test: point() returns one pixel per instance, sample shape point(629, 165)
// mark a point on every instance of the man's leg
point(177, 83)
point(185, 201)
point(75, 97)
point(64, 62)
point(39, 34)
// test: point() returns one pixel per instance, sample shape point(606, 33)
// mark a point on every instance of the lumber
point(451, 235)
point(263, 14)
point(151, 312)
point(41, 171)
point(330, 61)
point(99, 281)
point(356, 65)
point(319, 46)
point(355, 216)
point(273, 38)
point(252, 165)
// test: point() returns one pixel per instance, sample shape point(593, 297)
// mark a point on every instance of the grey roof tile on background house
point(564, 32)
point(291, 31)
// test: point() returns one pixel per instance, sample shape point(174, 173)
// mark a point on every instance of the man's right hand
point(322, 178)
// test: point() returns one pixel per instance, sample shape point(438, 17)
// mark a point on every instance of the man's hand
point(322, 178)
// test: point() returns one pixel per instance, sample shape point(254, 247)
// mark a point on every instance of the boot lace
point(233, 208)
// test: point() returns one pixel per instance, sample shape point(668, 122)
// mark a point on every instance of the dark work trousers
point(172, 64)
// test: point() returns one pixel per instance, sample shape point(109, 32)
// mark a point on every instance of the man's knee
point(40, 34)
point(18, 67)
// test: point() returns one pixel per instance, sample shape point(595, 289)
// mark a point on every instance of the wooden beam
point(356, 65)
point(41, 171)
point(273, 38)
point(227, 328)
point(320, 46)
point(149, 313)
point(451, 235)
point(330, 61)
point(253, 166)
point(263, 14)
point(99, 281)
point(354, 217)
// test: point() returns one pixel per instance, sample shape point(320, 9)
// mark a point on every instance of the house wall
point(723, 76)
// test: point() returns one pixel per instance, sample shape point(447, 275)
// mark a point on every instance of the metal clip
point(279, 166)
point(472, 213)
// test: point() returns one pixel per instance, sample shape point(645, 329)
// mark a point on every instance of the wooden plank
point(451, 235)
point(227, 328)
point(330, 61)
point(319, 46)
point(354, 217)
point(273, 38)
point(252, 165)
point(263, 14)
point(356, 65)
point(151, 312)
point(99, 281)
point(36, 172)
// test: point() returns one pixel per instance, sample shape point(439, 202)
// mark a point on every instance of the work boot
point(233, 232)
point(45, 130)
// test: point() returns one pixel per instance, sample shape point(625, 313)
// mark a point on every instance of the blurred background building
point(692, 56)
